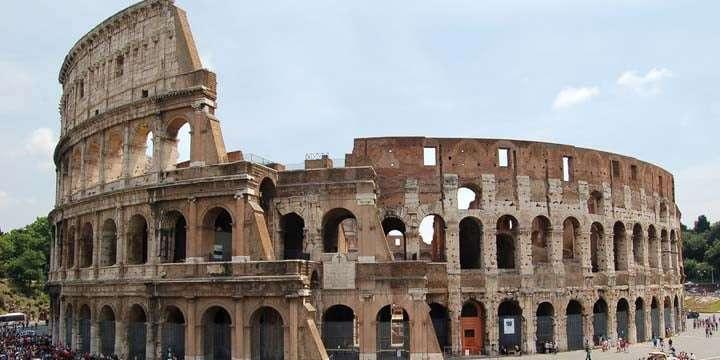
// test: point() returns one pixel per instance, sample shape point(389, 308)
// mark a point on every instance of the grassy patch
point(14, 300)
point(702, 304)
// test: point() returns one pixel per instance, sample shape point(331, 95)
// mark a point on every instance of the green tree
point(694, 246)
point(701, 225)
point(24, 254)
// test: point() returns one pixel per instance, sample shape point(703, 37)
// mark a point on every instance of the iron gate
point(84, 330)
point(575, 331)
point(545, 330)
point(655, 318)
point(441, 332)
point(173, 340)
point(68, 331)
point(107, 337)
point(640, 325)
point(668, 319)
point(622, 324)
point(339, 340)
point(513, 335)
point(385, 351)
point(136, 341)
point(599, 327)
point(217, 342)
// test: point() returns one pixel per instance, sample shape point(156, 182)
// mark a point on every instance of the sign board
point(508, 326)
point(397, 326)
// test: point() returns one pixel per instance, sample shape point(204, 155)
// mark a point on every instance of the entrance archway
point(293, 235)
point(267, 335)
point(393, 333)
point(640, 320)
point(336, 223)
point(655, 317)
point(545, 329)
point(217, 334)
point(441, 323)
point(107, 331)
point(394, 229)
point(173, 333)
point(472, 320)
point(218, 226)
point(600, 326)
point(574, 325)
point(84, 325)
point(137, 333)
point(621, 316)
point(339, 333)
point(511, 325)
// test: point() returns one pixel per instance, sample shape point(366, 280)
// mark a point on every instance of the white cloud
point(41, 142)
point(648, 84)
point(571, 96)
point(692, 184)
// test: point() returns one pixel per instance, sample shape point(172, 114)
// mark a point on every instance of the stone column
point(661, 311)
point(293, 329)
point(94, 337)
point(632, 329)
point(83, 177)
point(126, 153)
point(560, 329)
point(556, 251)
point(101, 164)
point(648, 320)
point(121, 344)
point(454, 311)
point(612, 319)
point(191, 330)
point(530, 328)
point(61, 324)
point(523, 251)
point(238, 348)
point(193, 233)
point(76, 245)
point(494, 331)
point(489, 250)
point(238, 238)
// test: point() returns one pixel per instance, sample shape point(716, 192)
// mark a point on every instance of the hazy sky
point(637, 77)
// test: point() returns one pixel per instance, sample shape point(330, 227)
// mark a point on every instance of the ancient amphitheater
point(411, 247)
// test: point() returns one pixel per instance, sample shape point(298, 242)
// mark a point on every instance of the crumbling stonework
point(450, 245)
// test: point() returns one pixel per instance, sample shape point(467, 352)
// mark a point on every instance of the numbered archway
point(217, 334)
point(267, 341)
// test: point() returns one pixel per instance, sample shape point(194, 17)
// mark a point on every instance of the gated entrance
point(600, 310)
point(472, 321)
point(173, 334)
point(668, 315)
point(621, 315)
point(655, 317)
point(137, 333)
point(640, 320)
point(69, 326)
point(545, 326)
point(267, 335)
point(217, 334)
point(441, 324)
point(107, 331)
point(84, 329)
point(393, 333)
point(338, 333)
point(510, 323)
point(574, 325)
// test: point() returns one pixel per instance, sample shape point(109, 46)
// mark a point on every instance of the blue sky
point(637, 77)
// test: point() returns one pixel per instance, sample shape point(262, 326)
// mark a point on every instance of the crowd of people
point(22, 343)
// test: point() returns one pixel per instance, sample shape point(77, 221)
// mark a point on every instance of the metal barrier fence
point(640, 326)
point(173, 340)
point(217, 342)
point(574, 328)
point(137, 335)
point(68, 331)
point(655, 319)
point(338, 337)
point(599, 327)
point(622, 324)
point(107, 337)
point(545, 330)
point(385, 350)
point(84, 330)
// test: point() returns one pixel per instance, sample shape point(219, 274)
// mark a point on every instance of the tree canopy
point(24, 254)
point(701, 250)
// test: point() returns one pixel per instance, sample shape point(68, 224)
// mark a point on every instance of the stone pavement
point(689, 341)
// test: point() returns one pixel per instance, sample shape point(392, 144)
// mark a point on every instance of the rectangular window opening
point(429, 156)
point(145, 93)
point(633, 172)
point(567, 168)
point(503, 157)
point(615, 168)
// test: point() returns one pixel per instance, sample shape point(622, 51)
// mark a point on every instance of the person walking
point(587, 350)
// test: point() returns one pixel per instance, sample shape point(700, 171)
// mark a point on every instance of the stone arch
point(394, 229)
point(106, 330)
point(638, 245)
point(340, 331)
point(655, 317)
point(506, 242)
point(70, 248)
point(137, 332)
point(337, 223)
point(574, 327)
point(663, 213)
point(674, 252)
point(137, 240)
point(217, 333)
point(75, 169)
point(141, 150)
point(668, 316)
point(510, 317)
point(267, 194)
point(545, 325)
point(84, 326)
point(473, 318)
point(469, 197)
point(114, 153)
point(392, 319)
point(432, 232)
point(173, 332)
point(69, 319)
point(178, 146)
point(267, 334)
point(108, 243)
point(596, 203)
point(600, 321)
point(640, 320)
point(86, 246)
point(218, 226)
point(471, 240)
point(92, 162)
point(441, 324)
point(173, 241)
point(540, 237)
point(622, 312)
point(654, 248)
point(620, 255)
point(571, 235)
point(292, 230)
point(665, 250)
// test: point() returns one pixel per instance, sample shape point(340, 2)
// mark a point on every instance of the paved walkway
point(689, 341)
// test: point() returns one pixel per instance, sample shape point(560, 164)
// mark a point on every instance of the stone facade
point(416, 246)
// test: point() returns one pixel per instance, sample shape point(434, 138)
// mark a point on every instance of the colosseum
point(409, 247)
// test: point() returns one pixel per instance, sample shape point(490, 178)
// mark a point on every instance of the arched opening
point(545, 327)
point(75, 169)
point(70, 248)
point(472, 321)
point(621, 316)
point(469, 197)
point(178, 151)
point(292, 227)
point(674, 252)
point(218, 226)
point(620, 247)
point(84, 325)
point(173, 237)
point(640, 320)
point(339, 332)
point(655, 317)
point(678, 318)
point(595, 203)
point(441, 323)
point(108, 243)
point(505, 239)
point(663, 212)
point(137, 240)
point(217, 336)
point(393, 333)
point(574, 325)
point(92, 162)
point(471, 235)
point(68, 318)
point(510, 323)
point(597, 247)
point(665, 243)
point(539, 236)
point(173, 334)
point(137, 332)
point(107, 331)
point(142, 150)
point(432, 232)
point(571, 233)
point(267, 195)
point(654, 246)
point(114, 155)
point(267, 335)
point(394, 229)
point(668, 316)
point(600, 323)
point(638, 245)
point(338, 225)
point(86, 246)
